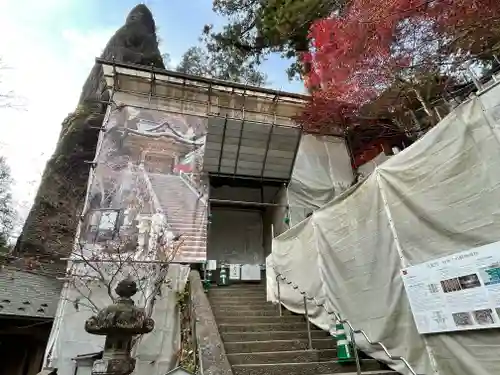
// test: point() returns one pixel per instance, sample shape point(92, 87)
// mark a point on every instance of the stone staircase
point(186, 215)
point(258, 341)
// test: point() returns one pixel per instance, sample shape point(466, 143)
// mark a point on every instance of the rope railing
point(342, 321)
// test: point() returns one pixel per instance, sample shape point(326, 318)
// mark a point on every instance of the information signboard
point(456, 293)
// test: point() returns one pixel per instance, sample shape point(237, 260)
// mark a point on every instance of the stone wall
point(212, 356)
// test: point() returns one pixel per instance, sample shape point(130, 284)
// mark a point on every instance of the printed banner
point(456, 293)
point(147, 194)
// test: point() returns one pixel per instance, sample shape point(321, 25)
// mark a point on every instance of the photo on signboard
point(463, 319)
point(450, 285)
point(490, 275)
point(469, 281)
point(484, 317)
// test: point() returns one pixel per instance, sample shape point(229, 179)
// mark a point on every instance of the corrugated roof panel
point(249, 148)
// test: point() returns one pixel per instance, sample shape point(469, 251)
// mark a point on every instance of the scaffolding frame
point(211, 88)
point(148, 79)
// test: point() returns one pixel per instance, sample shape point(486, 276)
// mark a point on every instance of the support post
point(306, 314)
point(279, 294)
point(356, 354)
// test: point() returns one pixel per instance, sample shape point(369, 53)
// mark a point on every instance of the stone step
point(232, 290)
point(273, 335)
point(264, 327)
point(201, 248)
point(190, 253)
point(191, 244)
point(192, 239)
point(240, 303)
point(237, 298)
point(304, 368)
point(232, 293)
point(196, 233)
point(173, 220)
point(247, 313)
point(187, 223)
point(175, 192)
point(180, 218)
point(189, 229)
point(228, 293)
point(277, 345)
point(263, 305)
point(184, 202)
point(186, 257)
point(184, 217)
point(245, 287)
point(260, 319)
point(188, 210)
point(230, 299)
point(267, 307)
point(288, 356)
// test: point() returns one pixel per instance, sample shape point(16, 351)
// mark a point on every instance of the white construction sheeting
point(436, 198)
point(155, 351)
point(321, 172)
point(366, 169)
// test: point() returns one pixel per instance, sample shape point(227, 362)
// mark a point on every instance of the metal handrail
point(343, 321)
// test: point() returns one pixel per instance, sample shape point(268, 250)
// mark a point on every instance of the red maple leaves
point(375, 43)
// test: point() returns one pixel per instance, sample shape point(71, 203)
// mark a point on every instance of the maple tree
point(399, 49)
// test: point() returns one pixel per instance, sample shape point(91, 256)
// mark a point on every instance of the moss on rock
point(50, 227)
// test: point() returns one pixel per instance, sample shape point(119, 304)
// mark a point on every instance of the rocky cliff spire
point(50, 227)
point(135, 42)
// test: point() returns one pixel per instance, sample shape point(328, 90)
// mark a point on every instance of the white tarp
point(322, 171)
point(366, 169)
point(436, 198)
point(155, 352)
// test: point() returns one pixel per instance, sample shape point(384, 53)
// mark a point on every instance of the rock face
point(49, 230)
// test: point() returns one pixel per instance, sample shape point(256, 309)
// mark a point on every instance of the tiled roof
point(24, 293)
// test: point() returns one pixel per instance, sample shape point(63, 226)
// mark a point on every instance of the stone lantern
point(119, 322)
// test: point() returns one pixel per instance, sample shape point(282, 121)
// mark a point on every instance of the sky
point(47, 50)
